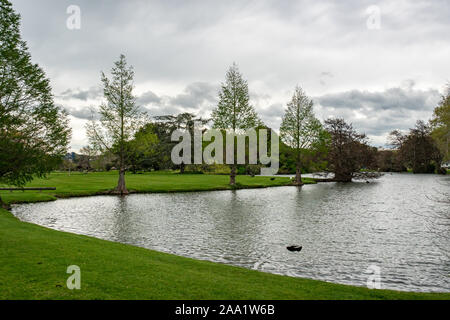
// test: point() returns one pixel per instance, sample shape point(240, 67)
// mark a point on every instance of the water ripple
point(343, 228)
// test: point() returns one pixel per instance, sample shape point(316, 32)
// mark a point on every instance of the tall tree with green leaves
point(440, 124)
point(234, 111)
point(120, 118)
point(183, 121)
point(34, 132)
point(300, 129)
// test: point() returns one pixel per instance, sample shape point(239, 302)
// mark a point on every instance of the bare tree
point(348, 152)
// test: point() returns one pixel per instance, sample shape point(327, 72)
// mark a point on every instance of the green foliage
point(184, 122)
point(120, 118)
point(234, 110)
point(152, 145)
point(301, 130)
point(79, 184)
point(34, 133)
point(208, 168)
point(142, 149)
point(417, 149)
point(241, 170)
point(162, 150)
point(440, 124)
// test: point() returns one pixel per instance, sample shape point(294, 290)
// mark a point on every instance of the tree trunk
point(121, 188)
point(233, 175)
point(298, 175)
point(342, 177)
point(4, 205)
point(298, 167)
point(233, 166)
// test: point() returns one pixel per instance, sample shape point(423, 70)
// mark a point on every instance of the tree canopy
point(234, 111)
point(417, 149)
point(120, 118)
point(300, 129)
point(34, 132)
point(348, 150)
point(184, 121)
point(440, 125)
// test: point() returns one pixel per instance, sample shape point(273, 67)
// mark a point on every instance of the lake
point(393, 223)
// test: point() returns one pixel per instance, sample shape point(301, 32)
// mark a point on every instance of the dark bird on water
point(294, 248)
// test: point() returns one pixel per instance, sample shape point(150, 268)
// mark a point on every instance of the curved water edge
point(392, 223)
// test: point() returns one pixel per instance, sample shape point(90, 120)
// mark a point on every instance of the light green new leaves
point(300, 129)
point(234, 110)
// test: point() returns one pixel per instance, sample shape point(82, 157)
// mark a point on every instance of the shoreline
point(281, 288)
point(18, 197)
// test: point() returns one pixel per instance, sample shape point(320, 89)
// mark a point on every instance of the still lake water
point(343, 228)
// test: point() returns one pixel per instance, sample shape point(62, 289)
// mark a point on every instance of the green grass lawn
point(34, 259)
point(80, 184)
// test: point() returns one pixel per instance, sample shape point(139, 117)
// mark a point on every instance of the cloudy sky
point(379, 64)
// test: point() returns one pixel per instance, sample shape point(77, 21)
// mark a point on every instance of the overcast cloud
point(378, 79)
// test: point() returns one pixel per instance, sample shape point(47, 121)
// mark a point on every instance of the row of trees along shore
point(306, 144)
point(34, 132)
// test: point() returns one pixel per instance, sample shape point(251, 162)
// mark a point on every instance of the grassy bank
point(80, 184)
point(34, 259)
point(33, 263)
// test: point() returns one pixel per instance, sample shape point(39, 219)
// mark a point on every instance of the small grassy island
point(34, 259)
point(78, 184)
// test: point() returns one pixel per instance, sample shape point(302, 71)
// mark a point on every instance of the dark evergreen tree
point(34, 132)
